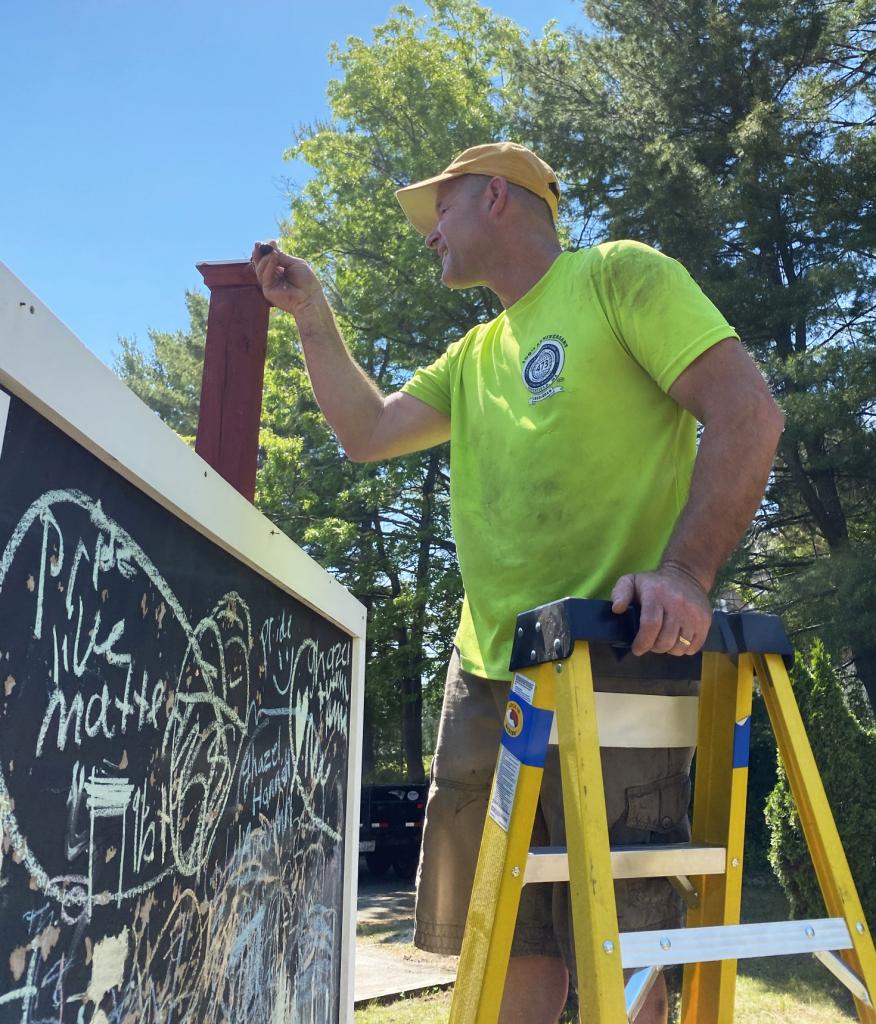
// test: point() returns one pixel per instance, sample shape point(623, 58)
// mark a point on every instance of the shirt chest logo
point(542, 368)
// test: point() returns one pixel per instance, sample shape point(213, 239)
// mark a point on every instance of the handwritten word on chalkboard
point(173, 760)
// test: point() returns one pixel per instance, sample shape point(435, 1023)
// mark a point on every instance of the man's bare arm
point(742, 425)
point(368, 424)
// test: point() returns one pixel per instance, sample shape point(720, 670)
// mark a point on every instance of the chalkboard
point(176, 735)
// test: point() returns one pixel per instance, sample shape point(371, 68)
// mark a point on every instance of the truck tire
point(405, 865)
point(378, 862)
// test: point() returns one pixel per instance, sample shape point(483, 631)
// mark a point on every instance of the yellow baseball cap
point(507, 159)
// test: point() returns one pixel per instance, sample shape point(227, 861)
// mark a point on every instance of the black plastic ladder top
point(549, 632)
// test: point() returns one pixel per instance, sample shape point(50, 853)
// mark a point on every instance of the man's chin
point(449, 280)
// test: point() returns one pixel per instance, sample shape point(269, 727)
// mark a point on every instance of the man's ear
point(497, 190)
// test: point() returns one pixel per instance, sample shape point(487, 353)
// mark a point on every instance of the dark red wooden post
point(234, 372)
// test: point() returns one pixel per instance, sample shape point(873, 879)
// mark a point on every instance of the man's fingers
point(670, 608)
point(282, 259)
point(667, 638)
point(699, 634)
point(259, 260)
point(268, 274)
point(260, 250)
point(696, 629)
point(271, 270)
point(650, 624)
point(696, 642)
point(623, 593)
point(267, 255)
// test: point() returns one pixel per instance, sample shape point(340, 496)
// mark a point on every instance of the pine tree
point(738, 136)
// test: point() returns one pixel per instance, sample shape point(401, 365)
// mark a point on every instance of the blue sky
point(143, 137)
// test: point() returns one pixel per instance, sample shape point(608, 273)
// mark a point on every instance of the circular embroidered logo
point(543, 366)
point(513, 718)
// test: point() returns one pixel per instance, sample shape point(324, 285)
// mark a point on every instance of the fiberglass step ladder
point(553, 675)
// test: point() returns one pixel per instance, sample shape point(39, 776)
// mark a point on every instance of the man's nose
point(432, 239)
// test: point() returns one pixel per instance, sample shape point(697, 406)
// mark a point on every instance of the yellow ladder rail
point(708, 989)
point(822, 839)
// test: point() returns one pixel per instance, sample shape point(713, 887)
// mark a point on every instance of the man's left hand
point(674, 608)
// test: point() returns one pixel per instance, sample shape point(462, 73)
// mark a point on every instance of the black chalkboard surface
point(173, 762)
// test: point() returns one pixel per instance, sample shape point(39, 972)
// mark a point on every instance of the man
point(571, 418)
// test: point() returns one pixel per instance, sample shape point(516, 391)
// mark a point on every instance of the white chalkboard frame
point(45, 365)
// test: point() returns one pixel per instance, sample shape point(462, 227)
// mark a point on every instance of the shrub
point(845, 752)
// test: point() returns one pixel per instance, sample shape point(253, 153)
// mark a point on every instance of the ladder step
point(733, 942)
point(551, 863)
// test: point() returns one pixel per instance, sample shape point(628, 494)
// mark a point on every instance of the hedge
point(845, 752)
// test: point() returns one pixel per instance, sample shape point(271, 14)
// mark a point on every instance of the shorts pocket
point(659, 809)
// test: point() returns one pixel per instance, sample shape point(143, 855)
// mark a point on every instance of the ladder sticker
point(504, 788)
point(524, 742)
point(523, 687)
point(527, 730)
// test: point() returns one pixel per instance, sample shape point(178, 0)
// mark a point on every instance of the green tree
point(374, 527)
point(168, 379)
point(420, 90)
point(738, 136)
point(845, 751)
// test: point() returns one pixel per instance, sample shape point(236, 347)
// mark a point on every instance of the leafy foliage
point(739, 137)
point(383, 529)
point(168, 379)
point(845, 752)
point(421, 89)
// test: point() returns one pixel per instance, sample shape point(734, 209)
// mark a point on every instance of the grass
point(384, 932)
point(760, 1002)
point(771, 990)
point(786, 988)
point(431, 1008)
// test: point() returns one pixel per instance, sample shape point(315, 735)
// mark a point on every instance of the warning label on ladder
point(524, 687)
point(504, 788)
point(524, 742)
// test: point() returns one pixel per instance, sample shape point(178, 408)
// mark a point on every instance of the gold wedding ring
point(683, 640)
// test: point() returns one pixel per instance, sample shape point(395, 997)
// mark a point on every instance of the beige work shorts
point(647, 793)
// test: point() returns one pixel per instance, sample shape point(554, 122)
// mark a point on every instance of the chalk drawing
point(192, 864)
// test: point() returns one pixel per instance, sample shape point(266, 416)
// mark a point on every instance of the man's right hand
point(368, 425)
point(286, 282)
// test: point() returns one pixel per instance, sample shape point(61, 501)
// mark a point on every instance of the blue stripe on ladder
point(741, 742)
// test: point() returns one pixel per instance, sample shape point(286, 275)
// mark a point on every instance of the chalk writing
point(171, 775)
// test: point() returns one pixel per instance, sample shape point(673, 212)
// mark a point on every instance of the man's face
point(458, 235)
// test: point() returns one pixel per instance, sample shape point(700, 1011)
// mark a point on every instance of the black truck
point(391, 817)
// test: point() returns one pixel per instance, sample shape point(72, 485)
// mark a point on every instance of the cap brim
point(418, 202)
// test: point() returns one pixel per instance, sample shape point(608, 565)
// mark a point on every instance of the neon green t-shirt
point(569, 462)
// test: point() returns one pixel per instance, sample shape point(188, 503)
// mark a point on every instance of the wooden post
point(234, 372)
